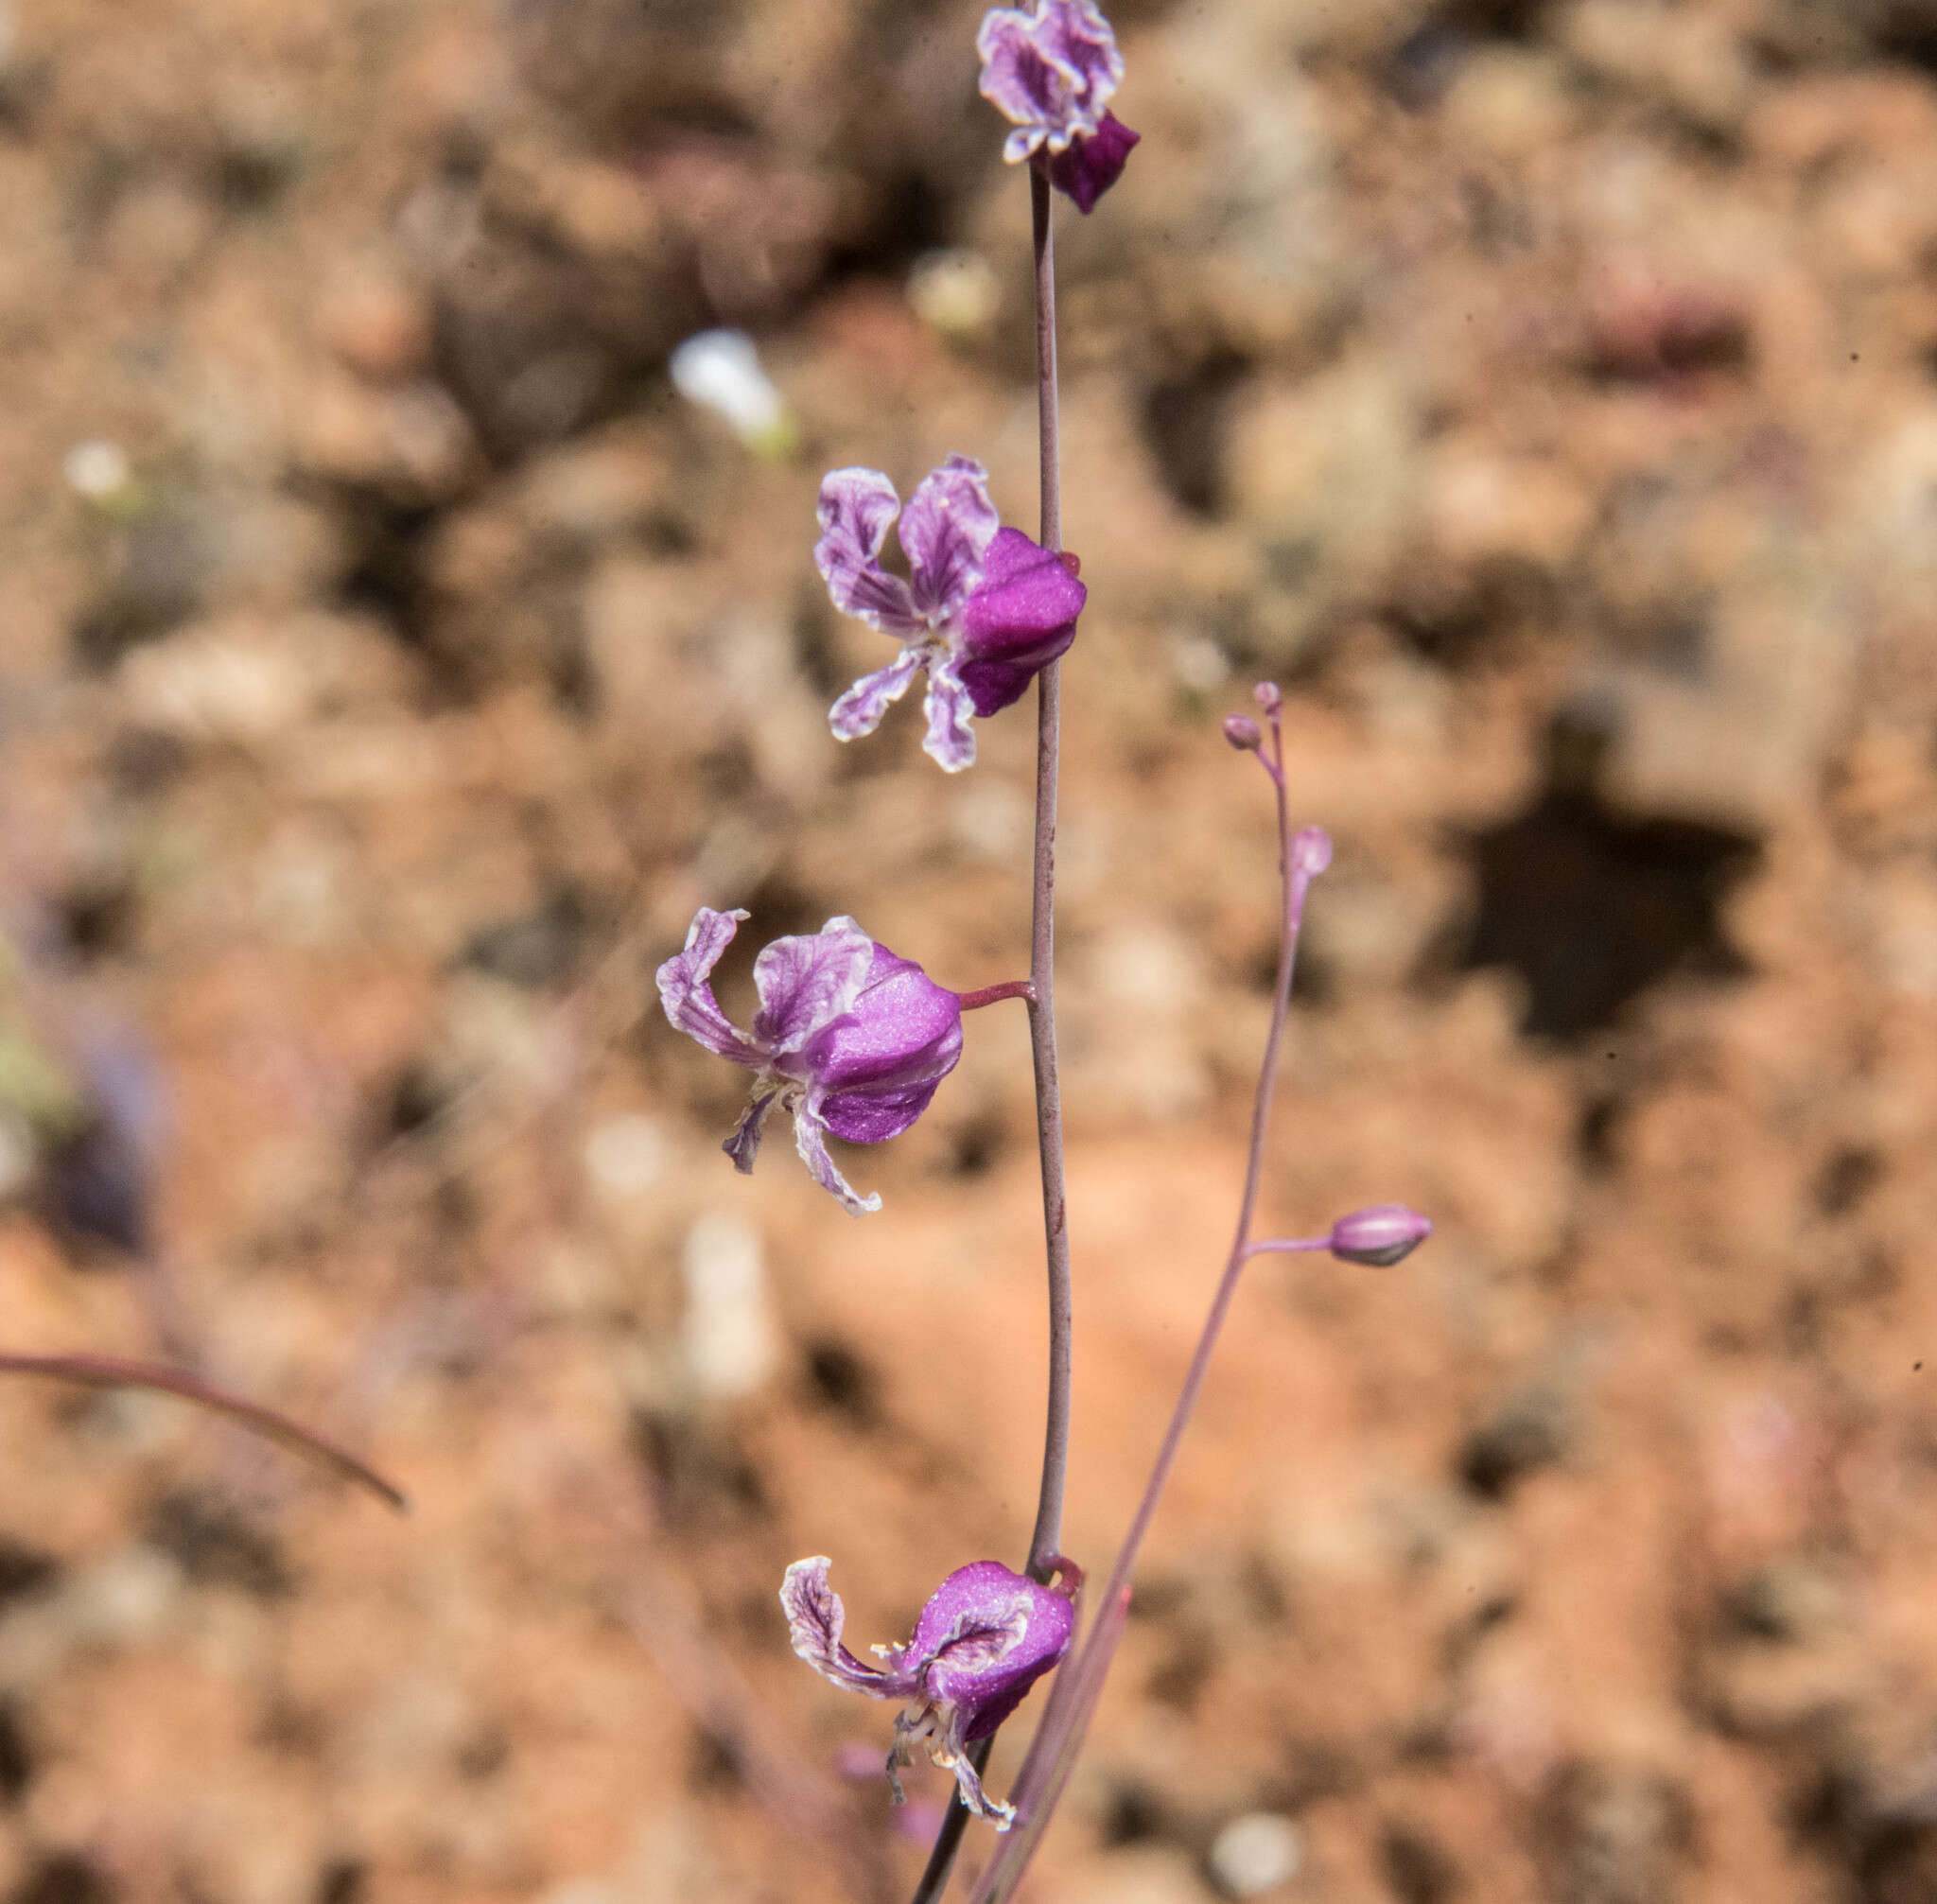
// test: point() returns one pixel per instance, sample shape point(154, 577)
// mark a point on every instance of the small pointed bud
point(1267, 698)
point(1379, 1236)
point(1311, 852)
point(1243, 733)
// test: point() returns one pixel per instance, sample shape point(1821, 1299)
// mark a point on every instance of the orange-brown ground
point(1544, 393)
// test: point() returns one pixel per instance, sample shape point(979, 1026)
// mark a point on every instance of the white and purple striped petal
point(857, 509)
point(947, 524)
point(951, 741)
point(860, 709)
point(815, 1620)
point(806, 982)
point(686, 994)
point(811, 1140)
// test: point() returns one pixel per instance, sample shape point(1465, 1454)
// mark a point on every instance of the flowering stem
point(1046, 1539)
point(1046, 1542)
point(1285, 1246)
point(994, 994)
point(1296, 882)
point(1080, 1682)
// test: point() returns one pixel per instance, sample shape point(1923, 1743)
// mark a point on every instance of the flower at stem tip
point(848, 1038)
point(985, 1637)
point(1054, 69)
point(983, 610)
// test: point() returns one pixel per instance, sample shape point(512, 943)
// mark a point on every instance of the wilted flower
point(1053, 70)
point(848, 1038)
point(984, 609)
point(984, 1639)
point(1379, 1236)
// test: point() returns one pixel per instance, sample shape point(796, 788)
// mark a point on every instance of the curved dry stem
point(115, 1372)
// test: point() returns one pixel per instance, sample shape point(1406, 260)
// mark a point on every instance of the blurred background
point(392, 658)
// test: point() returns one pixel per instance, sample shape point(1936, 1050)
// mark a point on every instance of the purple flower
point(983, 610)
point(848, 1038)
point(1054, 71)
point(984, 1639)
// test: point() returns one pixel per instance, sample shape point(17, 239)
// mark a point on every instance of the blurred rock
point(1614, 1834)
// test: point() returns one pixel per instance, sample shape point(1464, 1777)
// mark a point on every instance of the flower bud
point(1267, 698)
point(1311, 852)
point(1379, 1236)
point(1243, 733)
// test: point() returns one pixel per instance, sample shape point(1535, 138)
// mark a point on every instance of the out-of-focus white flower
point(97, 468)
point(1256, 1853)
point(721, 371)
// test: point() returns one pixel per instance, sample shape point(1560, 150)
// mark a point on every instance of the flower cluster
point(983, 1640)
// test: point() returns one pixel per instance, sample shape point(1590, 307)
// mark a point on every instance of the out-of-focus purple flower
point(1054, 69)
point(983, 610)
point(984, 1639)
point(1379, 1236)
point(1243, 733)
point(848, 1038)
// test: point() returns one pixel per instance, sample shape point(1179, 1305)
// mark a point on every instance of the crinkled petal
point(857, 508)
point(1021, 619)
point(685, 992)
point(807, 981)
point(1053, 71)
point(1087, 167)
point(814, 1621)
point(950, 741)
point(744, 1145)
point(947, 525)
point(810, 1139)
point(860, 709)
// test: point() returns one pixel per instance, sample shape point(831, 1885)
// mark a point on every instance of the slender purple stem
point(994, 994)
point(1285, 1246)
point(1080, 1682)
point(1045, 1541)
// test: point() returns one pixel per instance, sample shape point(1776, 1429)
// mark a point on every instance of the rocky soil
point(391, 660)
